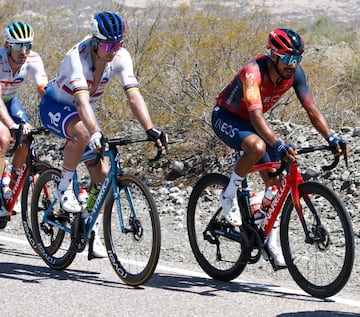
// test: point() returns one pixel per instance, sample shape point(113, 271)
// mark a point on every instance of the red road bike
point(25, 181)
point(316, 234)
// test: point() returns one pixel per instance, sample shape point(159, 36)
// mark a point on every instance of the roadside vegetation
point(183, 57)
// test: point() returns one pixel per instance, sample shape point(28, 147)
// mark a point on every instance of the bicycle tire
point(53, 243)
point(323, 268)
point(133, 254)
point(26, 193)
point(204, 205)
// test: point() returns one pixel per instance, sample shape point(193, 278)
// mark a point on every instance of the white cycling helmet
point(19, 32)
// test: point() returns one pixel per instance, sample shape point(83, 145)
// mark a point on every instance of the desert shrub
point(184, 55)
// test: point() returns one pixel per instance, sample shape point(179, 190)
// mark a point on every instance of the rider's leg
point(97, 174)
point(5, 139)
point(273, 243)
point(254, 149)
point(17, 163)
point(73, 151)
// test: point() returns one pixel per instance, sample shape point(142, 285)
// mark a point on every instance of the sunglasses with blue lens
point(290, 59)
point(19, 46)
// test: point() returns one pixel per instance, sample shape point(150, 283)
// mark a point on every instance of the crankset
point(78, 235)
point(253, 243)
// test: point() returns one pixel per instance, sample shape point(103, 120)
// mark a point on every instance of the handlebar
point(19, 134)
point(112, 143)
point(286, 164)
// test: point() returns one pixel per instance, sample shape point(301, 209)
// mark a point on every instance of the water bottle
point(12, 181)
point(94, 191)
point(5, 185)
point(255, 207)
point(268, 197)
point(83, 196)
point(255, 202)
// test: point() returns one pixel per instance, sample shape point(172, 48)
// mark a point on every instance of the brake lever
point(19, 133)
point(343, 145)
point(99, 155)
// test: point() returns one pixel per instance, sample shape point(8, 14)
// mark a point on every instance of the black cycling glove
point(155, 135)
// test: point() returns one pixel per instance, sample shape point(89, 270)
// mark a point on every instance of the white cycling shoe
point(99, 250)
point(275, 249)
point(68, 200)
point(231, 210)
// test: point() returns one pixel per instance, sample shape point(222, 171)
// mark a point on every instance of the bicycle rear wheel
point(52, 242)
point(220, 257)
point(133, 248)
point(26, 194)
point(322, 266)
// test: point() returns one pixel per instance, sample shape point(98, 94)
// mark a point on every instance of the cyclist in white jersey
point(66, 109)
point(17, 62)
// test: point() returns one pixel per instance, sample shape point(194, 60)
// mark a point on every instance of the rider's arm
point(262, 127)
point(86, 112)
point(139, 108)
point(307, 100)
point(318, 120)
point(5, 118)
point(39, 74)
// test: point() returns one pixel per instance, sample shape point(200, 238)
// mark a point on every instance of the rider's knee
point(255, 147)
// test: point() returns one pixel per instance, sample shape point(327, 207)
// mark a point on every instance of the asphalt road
point(29, 287)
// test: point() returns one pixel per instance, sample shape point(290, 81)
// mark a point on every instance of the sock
point(66, 178)
point(235, 182)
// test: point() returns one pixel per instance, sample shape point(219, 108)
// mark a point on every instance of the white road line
point(179, 271)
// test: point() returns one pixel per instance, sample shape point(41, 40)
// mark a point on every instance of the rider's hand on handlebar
point(95, 141)
point(285, 151)
point(336, 143)
point(160, 138)
point(16, 128)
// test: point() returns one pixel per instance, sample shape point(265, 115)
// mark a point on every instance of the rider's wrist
point(276, 144)
point(153, 134)
point(329, 137)
point(14, 126)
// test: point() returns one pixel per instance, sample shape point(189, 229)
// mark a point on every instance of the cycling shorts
point(56, 116)
point(16, 110)
point(233, 131)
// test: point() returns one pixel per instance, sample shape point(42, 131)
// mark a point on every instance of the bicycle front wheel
point(49, 222)
point(26, 194)
point(320, 264)
point(219, 256)
point(132, 232)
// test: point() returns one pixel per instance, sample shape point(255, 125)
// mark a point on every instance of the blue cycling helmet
point(108, 26)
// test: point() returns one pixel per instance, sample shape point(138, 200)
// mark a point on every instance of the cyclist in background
point(17, 62)
point(67, 107)
point(238, 117)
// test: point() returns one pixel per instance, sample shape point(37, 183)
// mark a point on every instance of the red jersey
point(252, 89)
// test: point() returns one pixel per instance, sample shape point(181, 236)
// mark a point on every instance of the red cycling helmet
point(286, 41)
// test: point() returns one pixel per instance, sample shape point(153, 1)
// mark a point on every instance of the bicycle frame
point(24, 171)
point(289, 184)
point(110, 180)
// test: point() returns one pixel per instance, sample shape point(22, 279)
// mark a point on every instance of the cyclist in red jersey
point(238, 117)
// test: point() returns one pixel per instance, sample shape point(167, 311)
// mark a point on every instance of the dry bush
point(183, 56)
